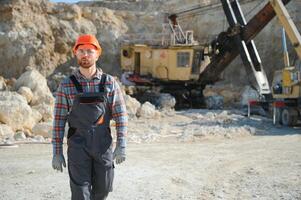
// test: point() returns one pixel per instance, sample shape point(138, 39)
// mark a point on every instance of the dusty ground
point(266, 165)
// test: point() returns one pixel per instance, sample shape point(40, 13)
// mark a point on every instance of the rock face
point(44, 38)
point(41, 34)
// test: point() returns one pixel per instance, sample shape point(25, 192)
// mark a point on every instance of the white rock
point(26, 92)
point(39, 138)
point(132, 105)
point(214, 102)
point(19, 136)
point(147, 110)
point(6, 131)
point(2, 84)
point(44, 129)
point(166, 101)
point(45, 110)
point(15, 112)
point(27, 132)
point(38, 85)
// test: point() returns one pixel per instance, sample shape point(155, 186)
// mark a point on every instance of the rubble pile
point(27, 105)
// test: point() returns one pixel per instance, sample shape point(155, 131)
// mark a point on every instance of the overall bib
point(90, 157)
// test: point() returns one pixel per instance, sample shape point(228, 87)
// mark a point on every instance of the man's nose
point(85, 53)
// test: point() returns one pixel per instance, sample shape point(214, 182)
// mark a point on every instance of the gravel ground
point(194, 154)
point(255, 167)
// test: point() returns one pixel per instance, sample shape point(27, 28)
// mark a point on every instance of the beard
point(85, 63)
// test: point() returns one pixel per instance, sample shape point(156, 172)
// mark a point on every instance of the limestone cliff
point(40, 34)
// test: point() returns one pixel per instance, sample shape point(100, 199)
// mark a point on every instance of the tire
point(289, 117)
point(277, 112)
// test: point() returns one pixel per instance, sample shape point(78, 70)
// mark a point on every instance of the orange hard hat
point(87, 39)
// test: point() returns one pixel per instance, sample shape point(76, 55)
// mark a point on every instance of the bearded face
point(86, 58)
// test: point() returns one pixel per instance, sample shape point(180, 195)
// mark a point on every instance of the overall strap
point(77, 85)
point(102, 82)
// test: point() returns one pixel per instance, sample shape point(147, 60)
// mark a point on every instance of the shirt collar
point(97, 74)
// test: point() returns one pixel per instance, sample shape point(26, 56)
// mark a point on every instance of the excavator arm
point(239, 40)
point(288, 24)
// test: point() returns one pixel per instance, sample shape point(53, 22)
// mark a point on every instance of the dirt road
point(253, 167)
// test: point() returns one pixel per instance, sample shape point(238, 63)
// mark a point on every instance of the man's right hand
point(119, 152)
point(58, 161)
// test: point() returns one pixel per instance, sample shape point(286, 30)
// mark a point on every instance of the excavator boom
point(227, 49)
point(288, 25)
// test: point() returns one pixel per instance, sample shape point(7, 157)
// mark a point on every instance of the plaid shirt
point(64, 100)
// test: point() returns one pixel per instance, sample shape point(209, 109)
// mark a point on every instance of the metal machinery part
point(159, 66)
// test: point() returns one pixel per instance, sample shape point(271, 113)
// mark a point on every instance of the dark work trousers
point(90, 157)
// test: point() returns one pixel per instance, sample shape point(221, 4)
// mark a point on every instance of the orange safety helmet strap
point(87, 39)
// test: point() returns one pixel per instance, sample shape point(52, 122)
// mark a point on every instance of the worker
point(88, 100)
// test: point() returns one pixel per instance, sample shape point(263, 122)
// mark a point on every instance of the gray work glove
point(119, 152)
point(58, 161)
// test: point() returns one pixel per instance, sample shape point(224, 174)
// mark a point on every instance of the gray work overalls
point(90, 157)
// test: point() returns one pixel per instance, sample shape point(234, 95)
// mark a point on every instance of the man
point(88, 100)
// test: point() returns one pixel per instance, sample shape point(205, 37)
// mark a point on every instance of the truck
point(286, 84)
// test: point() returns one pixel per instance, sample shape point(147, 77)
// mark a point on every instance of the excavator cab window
point(183, 59)
point(198, 56)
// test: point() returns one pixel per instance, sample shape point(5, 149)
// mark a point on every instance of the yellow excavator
point(181, 66)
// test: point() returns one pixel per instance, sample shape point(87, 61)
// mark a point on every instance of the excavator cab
point(174, 63)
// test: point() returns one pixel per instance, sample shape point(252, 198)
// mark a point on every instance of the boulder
point(214, 102)
point(44, 129)
point(15, 112)
point(38, 85)
point(166, 101)
point(10, 83)
point(2, 84)
point(231, 94)
point(132, 105)
point(26, 92)
point(38, 138)
point(45, 110)
point(19, 136)
point(148, 110)
point(6, 131)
